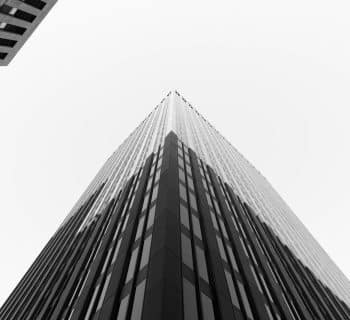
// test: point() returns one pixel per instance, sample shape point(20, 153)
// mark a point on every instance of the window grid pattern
point(248, 183)
point(102, 282)
point(233, 276)
point(326, 309)
point(72, 277)
point(126, 160)
point(135, 281)
point(197, 294)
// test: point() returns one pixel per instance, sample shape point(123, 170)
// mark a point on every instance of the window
point(223, 228)
point(202, 265)
point(116, 251)
point(256, 278)
point(157, 176)
point(184, 216)
point(104, 290)
point(92, 302)
point(145, 202)
point(268, 312)
point(132, 265)
point(7, 42)
point(153, 169)
point(106, 260)
point(221, 249)
point(196, 227)
point(151, 217)
point(145, 252)
point(231, 287)
point(138, 302)
point(182, 175)
point(234, 222)
point(181, 163)
point(266, 287)
point(244, 247)
point(190, 183)
point(149, 185)
point(214, 220)
point(183, 192)
point(193, 201)
point(189, 299)
point(140, 227)
point(123, 308)
point(245, 300)
point(217, 207)
point(207, 308)
point(186, 251)
point(232, 259)
point(208, 198)
point(155, 193)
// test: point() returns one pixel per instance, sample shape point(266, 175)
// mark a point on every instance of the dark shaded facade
point(176, 242)
point(18, 20)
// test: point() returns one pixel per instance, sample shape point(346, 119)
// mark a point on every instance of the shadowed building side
point(176, 242)
point(177, 224)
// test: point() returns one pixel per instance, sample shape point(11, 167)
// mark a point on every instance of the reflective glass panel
point(190, 303)
point(137, 307)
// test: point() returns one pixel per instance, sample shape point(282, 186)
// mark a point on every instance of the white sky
point(273, 77)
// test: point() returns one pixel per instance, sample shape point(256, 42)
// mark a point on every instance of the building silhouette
point(178, 225)
point(18, 20)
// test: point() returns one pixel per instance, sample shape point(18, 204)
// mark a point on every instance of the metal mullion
point(193, 245)
point(66, 238)
point(52, 277)
point(113, 291)
point(311, 287)
point(254, 296)
point(253, 248)
point(265, 271)
point(81, 268)
point(234, 275)
point(84, 299)
point(95, 249)
point(38, 265)
point(295, 276)
point(293, 291)
point(222, 302)
point(56, 290)
point(102, 277)
point(151, 177)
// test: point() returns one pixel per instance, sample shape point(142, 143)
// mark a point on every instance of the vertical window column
point(163, 291)
point(223, 306)
point(252, 300)
point(134, 287)
point(195, 272)
point(122, 255)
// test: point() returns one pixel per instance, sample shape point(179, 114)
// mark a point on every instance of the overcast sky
point(273, 77)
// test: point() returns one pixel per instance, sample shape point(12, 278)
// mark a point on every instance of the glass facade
point(175, 114)
point(161, 234)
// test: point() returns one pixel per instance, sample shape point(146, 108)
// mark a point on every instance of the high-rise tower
point(178, 225)
point(18, 20)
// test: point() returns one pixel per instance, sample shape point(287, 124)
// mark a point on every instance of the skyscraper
point(178, 225)
point(18, 20)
